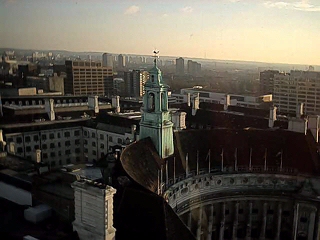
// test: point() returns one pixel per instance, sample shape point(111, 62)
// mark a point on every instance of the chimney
point(189, 99)
point(93, 103)
point(313, 126)
point(115, 102)
point(2, 142)
point(133, 131)
point(11, 147)
point(38, 156)
point(300, 110)
point(49, 107)
point(272, 116)
point(227, 102)
point(195, 104)
point(179, 120)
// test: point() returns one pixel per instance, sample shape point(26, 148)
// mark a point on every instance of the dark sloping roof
point(142, 163)
point(145, 215)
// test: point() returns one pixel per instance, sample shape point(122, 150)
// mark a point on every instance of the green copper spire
point(156, 121)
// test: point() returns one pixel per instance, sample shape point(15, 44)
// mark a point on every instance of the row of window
point(68, 161)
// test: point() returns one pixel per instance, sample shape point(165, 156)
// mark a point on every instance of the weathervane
point(155, 52)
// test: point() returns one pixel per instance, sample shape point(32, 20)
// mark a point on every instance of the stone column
point(295, 221)
point(189, 219)
point(264, 222)
point(199, 223)
point(311, 225)
point(318, 227)
point(223, 219)
point(235, 222)
point(210, 223)
point(249, 222)
point(279, 217)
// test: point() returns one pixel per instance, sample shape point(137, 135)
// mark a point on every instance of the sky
point(279, 31)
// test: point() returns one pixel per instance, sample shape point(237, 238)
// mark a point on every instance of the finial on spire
point(155, 52)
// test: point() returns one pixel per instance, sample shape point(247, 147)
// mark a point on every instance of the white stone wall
point(93, 211)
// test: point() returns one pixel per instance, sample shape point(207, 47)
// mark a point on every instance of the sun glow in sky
point(286, 31)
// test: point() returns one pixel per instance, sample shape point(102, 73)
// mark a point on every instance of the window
point(94, 152)
point(67, 143)
point(68, 152)
point(20, 150)
point(28, 149)
point(77, 142)
point(77, 133)
point(102, 146)
point(19, 140)
point(101, 137)
point(60, 162)
point(44, 155)
point(44, 137)
point(93, 144)
point(58, 135)
point(240, 211)
point(110, 138)
point(68, 161)
point(51, 135)
point(85, 150)
point(255, 211)
point(36, 147)
point(59, 144)
point(52, 154)
point(119, 140)
point(9, 140)
point(35, 138)
point(85, 133)
point(77, 159)
point(93, 135)
point(59, 153)
point(53, 164)
point(27, 139)
point(67, 134)
point(226, 212)
point(77, 150)
point(52, 145)
point(85, 142)
point(44, 146)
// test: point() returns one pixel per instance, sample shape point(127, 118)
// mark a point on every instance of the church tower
point(156, 121)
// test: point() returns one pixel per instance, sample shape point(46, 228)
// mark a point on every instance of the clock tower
point(156, 119)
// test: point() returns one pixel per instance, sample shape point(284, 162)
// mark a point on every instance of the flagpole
point(250, 162)
point(222, 161)
point(197, 162)
point(265, 160)
point(187, 162)
point(209, 160)
point(236, 160)
point(167, 177)
point(281, 161)
point(174, 170)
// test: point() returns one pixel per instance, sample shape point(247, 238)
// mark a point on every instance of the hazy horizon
point(240, 30)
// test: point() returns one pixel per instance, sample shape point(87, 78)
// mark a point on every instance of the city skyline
point(264, 31)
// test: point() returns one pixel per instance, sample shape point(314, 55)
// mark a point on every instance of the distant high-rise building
point(180, 66)
point(88, 78)
point(194, 68)
point(134, 83)
point(107, 60)
point(121, 61)
point(266, 81)
point(290, 90)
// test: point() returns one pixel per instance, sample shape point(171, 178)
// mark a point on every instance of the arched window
point(151, 102)
point(152, 78)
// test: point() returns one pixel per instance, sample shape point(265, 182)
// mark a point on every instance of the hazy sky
point(272, 31)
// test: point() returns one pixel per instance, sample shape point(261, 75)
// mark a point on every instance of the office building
point(121, 61)
point(88, 78)
point(194, 68)
point(107, 60)
point(180, 66)
point(134, 83)
point(292, 89)
point(266, 81)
